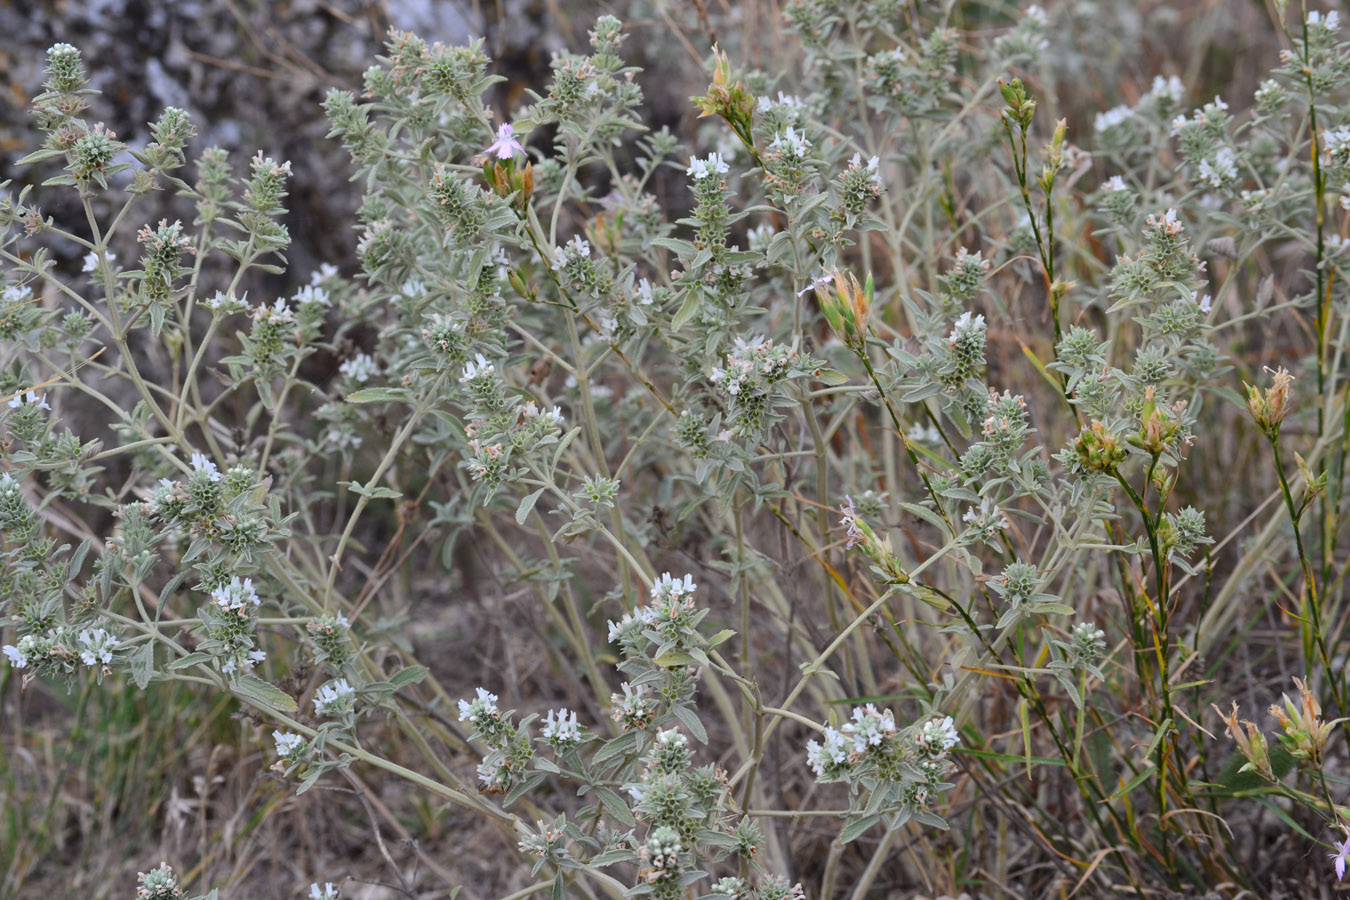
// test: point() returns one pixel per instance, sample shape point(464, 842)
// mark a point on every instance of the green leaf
point(854, 830)
point(928, 515)
point(255, 690)
point(832, 377)
point(527, 504)
point(610, 857)
point(687, 310)
point(373, 493)
point(689, 719)
point(722, 636)
point(380, 395)
point(621, 744)
point(614, 806)
point(410, 675)
point(187, 662)
point(142, 664)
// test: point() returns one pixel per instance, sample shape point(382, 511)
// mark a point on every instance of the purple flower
point(855, 535)
point(1338, 858)
point(506, 145)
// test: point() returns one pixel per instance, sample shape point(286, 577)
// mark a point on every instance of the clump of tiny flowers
point(905, 766)
point(509, 746)
point(96, 647)
point(336, 698)
point(293, 751)
point(561, 729)
point(633, 710)
point(158, 884)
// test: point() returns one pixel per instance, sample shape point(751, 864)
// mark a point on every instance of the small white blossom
point(327, 893)
point(325, 272)
point(360, 368)
point(1203, 301)
point(834, 749)
point(966, 323)
point(938, 736)
point(311, 293)
point(28, 399)
point(1114, 184)
point(1331, 22)
point(791, 141)
point(1170, 88)
point(1112, 117)
point(287, 743)
point(578, 246)
point(91, 261)
point(561, 726)
point(236, 595)
point(334, 698)
point(1222, 168)
point(200, 463)
point(17, 657)
point(644, 292)
point(821, 280)
point(96, 647)
point(486, 702)
point(478, 368)
point(670, 588)
point(222, 301)
point(702, 168)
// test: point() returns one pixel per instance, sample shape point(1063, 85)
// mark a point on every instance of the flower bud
point(1098, 449)
point(1269, 407)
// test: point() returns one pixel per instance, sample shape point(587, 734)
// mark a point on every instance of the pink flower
point(506, 144)
point(1338, 858)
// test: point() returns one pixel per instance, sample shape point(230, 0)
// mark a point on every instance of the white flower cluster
point(966, 324)
point(28, 398)
point(937, 736)
point(1112, 117)
point(633, 711)
point(484, 704)
point(987, 517)
point(835, 750)
point(561, 727)
point(872, 734)
point(201, 463)
point(479, 367)
point(289, 745)
point(751, 363)
point(669, 589)
point(1167, 224)
point(226, 303)
point(312, 293)
point(552, 416)
point(702, 168)
point(1330, 23)
point(641, 616)
point(278, 312)
point(96, 647)
point(869, 727)
point(360, 368)
point(236, 595)
point(335, 698)
point(790, 143)
point(786, 100)
point(1209, 114)
point(1164, 95)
